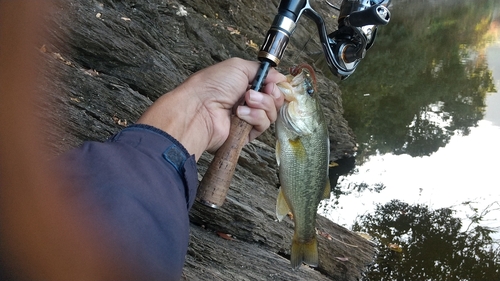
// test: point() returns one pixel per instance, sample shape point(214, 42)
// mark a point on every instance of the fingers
point(261, 109)
point(273, 91)
point(255, 117)
point(221, 86)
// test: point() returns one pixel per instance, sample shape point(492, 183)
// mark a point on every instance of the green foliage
point(420, 83)
point(431, 242)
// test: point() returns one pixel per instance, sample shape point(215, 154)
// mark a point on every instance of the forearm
point(136, 189)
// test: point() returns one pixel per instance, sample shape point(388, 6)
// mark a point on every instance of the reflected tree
point(424, 80)
point(417, 243)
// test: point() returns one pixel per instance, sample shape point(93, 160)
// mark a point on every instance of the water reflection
point(421, 88)
point(425, 75)
point(493, 100)
point(416, 243)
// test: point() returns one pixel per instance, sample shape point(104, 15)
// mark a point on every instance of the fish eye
point(308, 84)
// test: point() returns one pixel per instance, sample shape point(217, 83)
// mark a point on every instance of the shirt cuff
point(155, 142)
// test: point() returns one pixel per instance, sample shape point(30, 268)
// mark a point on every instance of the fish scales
point(302, 153)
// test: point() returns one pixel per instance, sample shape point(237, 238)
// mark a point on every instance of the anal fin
point(328, 189)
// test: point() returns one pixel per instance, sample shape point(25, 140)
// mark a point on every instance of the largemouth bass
point(302, 154)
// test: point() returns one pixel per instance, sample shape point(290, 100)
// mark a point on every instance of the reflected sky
point(465, 170)
point(493, 100)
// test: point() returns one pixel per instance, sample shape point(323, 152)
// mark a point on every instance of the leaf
point(252, 45)
point(121, 122)
point(395, 247)
point(233, 30)
point(341, 258)
point(225, 235)
point(365, 235)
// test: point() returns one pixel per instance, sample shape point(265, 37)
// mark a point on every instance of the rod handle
point(215, 183)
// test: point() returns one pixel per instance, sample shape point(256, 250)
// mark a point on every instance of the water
point(425, 106)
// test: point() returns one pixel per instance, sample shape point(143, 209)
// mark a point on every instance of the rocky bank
point(106, 61)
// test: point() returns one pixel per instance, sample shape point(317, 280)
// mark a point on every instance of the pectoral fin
point(332, 164)
point(277, 152)
point(282, 208)
point(298, 149)
point(328, 190)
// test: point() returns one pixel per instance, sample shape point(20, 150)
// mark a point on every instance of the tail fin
point(304, 252)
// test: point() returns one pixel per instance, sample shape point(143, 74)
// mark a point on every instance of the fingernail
point(243, 111)
point(256, 96)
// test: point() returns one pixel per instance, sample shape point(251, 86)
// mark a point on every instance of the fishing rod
point(343, 50)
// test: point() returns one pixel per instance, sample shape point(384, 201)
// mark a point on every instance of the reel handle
point(375, 15)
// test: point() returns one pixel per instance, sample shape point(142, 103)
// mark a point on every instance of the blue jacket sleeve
point(140, 185)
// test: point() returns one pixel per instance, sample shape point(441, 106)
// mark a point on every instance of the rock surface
point(106, 61)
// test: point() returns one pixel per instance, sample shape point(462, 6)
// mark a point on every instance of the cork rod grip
point(217, 179)
point(215, 183)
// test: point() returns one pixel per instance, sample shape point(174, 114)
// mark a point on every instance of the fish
point(302, 155)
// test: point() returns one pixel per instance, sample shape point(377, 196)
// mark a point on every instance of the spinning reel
point(343, 48)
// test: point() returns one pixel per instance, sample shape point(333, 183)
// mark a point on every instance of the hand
point(197, 113)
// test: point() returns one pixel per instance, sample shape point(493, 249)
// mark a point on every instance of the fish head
point(300, 82)
point(303, 75)
point(300, 98)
